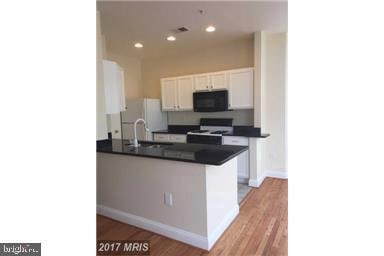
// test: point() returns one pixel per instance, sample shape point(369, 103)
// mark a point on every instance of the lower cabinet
point(243, 158)
point(165, 137)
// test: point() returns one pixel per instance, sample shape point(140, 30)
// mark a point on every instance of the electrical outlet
point(168, 199)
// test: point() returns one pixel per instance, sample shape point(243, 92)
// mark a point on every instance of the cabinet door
point(185, 93)
point(114, 87)
point(218, 80)
point(241, 88)
point(168, 94)
point(201, 82)
point(161, 137)
point(179, 138)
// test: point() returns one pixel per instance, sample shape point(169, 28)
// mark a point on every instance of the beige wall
point(235, 54)
point(132, 74)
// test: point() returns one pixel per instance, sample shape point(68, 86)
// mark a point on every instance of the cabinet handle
point(178, 106)
point(174, 106)
point(211, 86)
point(207, 86)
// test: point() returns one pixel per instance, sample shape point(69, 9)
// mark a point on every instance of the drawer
point(234, 140)
point(161, 137)
point(179, 138)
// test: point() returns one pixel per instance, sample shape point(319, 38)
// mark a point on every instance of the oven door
point(210, 101)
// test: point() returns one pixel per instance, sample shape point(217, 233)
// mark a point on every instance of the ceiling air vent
point(182, 29)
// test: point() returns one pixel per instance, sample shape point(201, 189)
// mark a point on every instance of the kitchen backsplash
point(240, 117)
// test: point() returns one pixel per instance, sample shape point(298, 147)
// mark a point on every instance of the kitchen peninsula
point(187, 192)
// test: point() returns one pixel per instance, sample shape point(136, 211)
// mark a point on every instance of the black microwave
point(212, 101)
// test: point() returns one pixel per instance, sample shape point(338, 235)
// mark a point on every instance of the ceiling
point(124, 23)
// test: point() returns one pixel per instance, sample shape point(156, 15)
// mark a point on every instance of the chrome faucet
point(135, 142)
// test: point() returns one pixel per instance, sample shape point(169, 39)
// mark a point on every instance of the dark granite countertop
point(242, 131)
point(185, 152)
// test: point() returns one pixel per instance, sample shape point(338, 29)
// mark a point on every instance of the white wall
point(268, 156)
point(275, 147)
point(131, 189)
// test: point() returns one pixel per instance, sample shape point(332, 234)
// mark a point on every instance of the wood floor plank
point(260, 229)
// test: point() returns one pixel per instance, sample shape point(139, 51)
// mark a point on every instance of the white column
point(256, 174)
point(101, 118)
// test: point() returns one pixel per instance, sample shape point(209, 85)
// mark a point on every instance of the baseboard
point(156, 227)
point(193, 239)
point(276, 174)
point(273, 174)
point(256, 182)
point(216, 234)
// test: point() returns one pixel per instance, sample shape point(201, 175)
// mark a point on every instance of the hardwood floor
point(261, 228)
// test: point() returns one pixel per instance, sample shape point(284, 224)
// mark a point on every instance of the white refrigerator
point(150, 111)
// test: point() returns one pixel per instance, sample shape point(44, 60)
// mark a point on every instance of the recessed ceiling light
point(138, 45)
point(171, 38)
point(210, 29)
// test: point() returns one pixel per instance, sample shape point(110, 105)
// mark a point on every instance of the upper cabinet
point(240, 88)
point(168, 94)
point(185, 93)
point(177, 92)
point(201, 82)
point(218, 80)
point(113, 87)
point(211, 81)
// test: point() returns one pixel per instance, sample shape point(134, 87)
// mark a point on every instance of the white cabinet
point(168, 94)
point(243, 158)
point(218, 80)
point(179, 138)
point(162, 137)
point(211, 81)
point(201, 82)
point(177, 93)
point(185, 93)
point(114, 87)
point(240, 88)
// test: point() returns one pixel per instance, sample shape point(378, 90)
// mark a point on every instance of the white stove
point(211, 131)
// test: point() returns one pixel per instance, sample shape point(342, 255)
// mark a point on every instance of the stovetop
point(209, 132)
point(199, 131)
point(219, 132)
point(213, 127)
